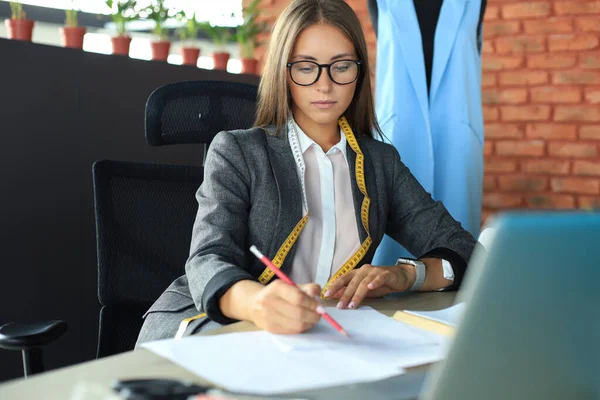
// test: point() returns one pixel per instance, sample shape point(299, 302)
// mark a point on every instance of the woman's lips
point(324, 104)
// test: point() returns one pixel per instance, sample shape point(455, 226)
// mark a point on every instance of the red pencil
point(281, 275)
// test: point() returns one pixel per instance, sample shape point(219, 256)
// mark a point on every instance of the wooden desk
point(98, 375)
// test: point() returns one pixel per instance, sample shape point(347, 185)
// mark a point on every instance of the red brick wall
point(541, 96)
point(541, 101)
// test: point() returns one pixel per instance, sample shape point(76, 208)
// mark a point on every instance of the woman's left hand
point(368, 281)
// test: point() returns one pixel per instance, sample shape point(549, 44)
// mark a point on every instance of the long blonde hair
point(274, 102)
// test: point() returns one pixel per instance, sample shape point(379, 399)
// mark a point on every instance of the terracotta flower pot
point(160, 50)
point(220, 60)
point(72, 36)
point(19, 29)
point(120, 45)
point(190, 55)
point(249, 66)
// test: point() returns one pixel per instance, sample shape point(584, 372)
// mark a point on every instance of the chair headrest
point(195, 111)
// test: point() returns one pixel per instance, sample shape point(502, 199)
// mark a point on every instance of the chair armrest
point(24, 336)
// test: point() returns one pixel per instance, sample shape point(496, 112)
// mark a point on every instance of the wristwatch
point(419, 270)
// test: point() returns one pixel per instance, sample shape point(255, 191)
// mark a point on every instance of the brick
point(490, 113)
point(550, 167)
point(526, 10)
point(550, 61)
point(488, 148)
point(492, 62)
point(520, 44)
point(488, 80)
point(551, 201)
point(574, 7)
point(500, 165)
point(584, 41)
point(489, 182)
point(576, 78)
point(501, 28)
point(522, 183)
point(548, 26)
point(589, 132)
point(523, 78)
point(525, 113)
point(572, 150)
point(501, 200)
point(586, 113)
point(586, 168)
point(591, 60)
point(589, 203)
point(587, 24)
point(504, 96)
point(503, 131)
point(551, 131)
point(520, 148)
point(491, 13)
point(487, 47)
point(592, 96)
point(553, 94)
point(576, 185)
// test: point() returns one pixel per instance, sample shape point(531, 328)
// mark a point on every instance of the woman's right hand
point(285, 309)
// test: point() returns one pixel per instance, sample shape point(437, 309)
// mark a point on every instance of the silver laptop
point(531, 329)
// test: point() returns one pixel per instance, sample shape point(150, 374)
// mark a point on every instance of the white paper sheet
point(449, 316)
point(373, 337)
point(263, 363)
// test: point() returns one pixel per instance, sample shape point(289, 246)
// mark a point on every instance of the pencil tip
point(345, 334)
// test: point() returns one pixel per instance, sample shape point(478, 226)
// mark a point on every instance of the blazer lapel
point(409, 36)
point(290, 192)
point(451, 15)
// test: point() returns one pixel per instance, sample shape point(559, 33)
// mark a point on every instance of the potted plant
point(220, 36)
point(246, 36)
point(72, 34)
point(158, 13)
point(123, 11)
point(188, 33)
point(18, 26)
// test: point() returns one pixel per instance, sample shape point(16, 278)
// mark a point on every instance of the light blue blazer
point(440, 137)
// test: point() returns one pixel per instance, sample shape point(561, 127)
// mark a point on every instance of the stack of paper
point(449, 316)
point(263, 363)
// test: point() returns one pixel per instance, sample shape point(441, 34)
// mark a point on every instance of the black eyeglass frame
point(321, 66)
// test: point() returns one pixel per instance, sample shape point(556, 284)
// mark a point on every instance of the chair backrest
point(144, 219)
point(195, 111)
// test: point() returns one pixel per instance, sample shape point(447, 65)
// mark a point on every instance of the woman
point(312, 189)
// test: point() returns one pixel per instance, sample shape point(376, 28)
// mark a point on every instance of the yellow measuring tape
point(285, 248)
point(353, 261)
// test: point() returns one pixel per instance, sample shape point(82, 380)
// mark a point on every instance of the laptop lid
point(531, 329)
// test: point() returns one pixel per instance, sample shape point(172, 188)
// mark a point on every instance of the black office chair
point(145, 212)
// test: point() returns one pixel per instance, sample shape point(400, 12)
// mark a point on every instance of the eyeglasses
point(342, 72)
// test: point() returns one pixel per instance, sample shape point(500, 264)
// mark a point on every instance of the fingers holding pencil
point(284, 309)
point(298, 298)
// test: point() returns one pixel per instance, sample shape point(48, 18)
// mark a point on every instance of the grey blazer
point(251, 194)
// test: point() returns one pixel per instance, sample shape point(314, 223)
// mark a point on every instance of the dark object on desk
point(30, 338)
point(195, 111)
point(144, 219)
point(157, 389)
